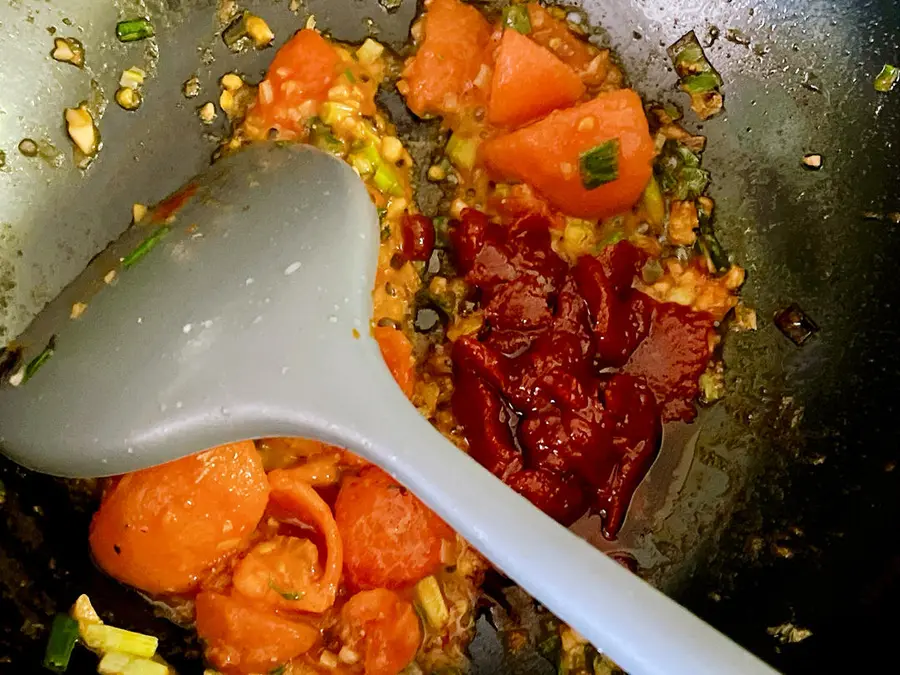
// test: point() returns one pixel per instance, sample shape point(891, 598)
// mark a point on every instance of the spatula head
point(255, 292)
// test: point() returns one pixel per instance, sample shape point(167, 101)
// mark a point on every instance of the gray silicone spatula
point(250, 318)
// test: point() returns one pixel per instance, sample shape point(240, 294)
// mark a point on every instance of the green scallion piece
point(700, 84)
point(887, 78)
point(691, 183)
point(386, 180)
point(35, 364)
point(691, 55)
point(63, 636)
point(462, 151)
point(600, 164)
point(134, 29)
point(287, 595)
point(350, 76)
point(321, 137)
point(145, 246)
point(111, 639)
point(516, 17)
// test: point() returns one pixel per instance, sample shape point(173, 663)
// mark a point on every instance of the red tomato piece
point(384, 628)
point(391, 539)
point(242, 637)
point(163, 528)
point(546, 154)
point(300, 75)
point(529, 81)
point(441, 76)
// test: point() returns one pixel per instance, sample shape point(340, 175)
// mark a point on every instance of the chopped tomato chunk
point(384, 628)
point(529, 81)
point(301, 74)
point(391, 539)
point(243, 637)
point(266, 575)
point(441, 77)
point(547, 154)
point(163, 528)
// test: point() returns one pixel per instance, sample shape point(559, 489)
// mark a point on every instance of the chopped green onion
point(697, 76)
point(691, 183)
point(385, 233)
point(679, 173)
point(672, 111)
point(600, 164)
point(132, 77)
point(110, 639)
point(134, 29)
point(432, 603)
point(116, 663)
point(145, 246)
point(688, 158)
point(35, 364)
point(386, 180)
point(707, 242)
point(700, 84)
point(321, 137)
point(887, 78)
point(516, 17)
point(287, 595)
point(442, 232)
point(654, 203)
point(711, 248)
point(462, 151)
point(278, 670)
point(236, 31)
point(332, 112)
point(63, 636)
point(689, 56)
point(350, 76)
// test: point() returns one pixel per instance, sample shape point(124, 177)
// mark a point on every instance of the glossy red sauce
point(541, 392)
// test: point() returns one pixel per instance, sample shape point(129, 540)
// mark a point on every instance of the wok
point(775, 510)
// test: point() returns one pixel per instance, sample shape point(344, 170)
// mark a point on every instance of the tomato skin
point(396, 350)
point(298, 500)
point(441, 75)
point(391, 539)
point(162, 529)
point(243, 637)
point(529, 82)
point(303, 70)
point(546, 154)
point(382, 626)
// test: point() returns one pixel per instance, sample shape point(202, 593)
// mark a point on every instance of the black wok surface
point(787, 510)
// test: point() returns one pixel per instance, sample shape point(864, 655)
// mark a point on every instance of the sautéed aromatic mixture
point(562, 306)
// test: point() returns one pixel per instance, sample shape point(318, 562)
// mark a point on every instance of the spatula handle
point(637, 626)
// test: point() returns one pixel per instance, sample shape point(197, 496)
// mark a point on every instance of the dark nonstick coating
point(788, 512)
